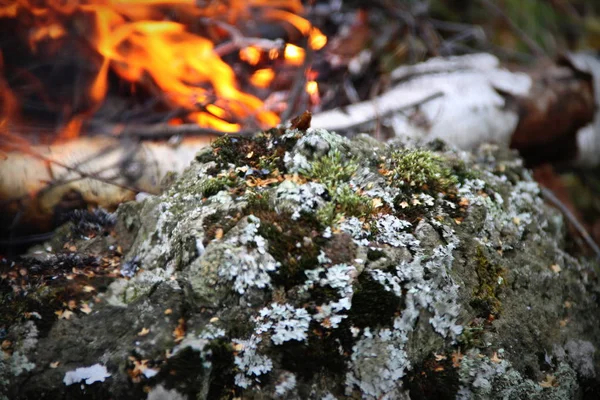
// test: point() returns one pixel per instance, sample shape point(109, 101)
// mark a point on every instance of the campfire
point(70, 68)
point(96, 79)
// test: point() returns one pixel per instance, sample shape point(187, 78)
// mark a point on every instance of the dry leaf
point(54, 364)
point(495, 358)
point(179, 331)
point(456, 359)
point(555, 268)
point(549, 381)
point(376, 202)
point(64, 314)
point(143, 332)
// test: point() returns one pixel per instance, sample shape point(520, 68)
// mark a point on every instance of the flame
point(263, 77)
point(157, 45)
point(294, 54)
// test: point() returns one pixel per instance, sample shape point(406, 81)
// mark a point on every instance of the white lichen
point(283, 322)
point(251, 364)
point(94, 373)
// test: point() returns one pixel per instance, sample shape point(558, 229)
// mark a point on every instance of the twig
point(238, 40)
point(299, 84)
point(548, 195)
point(162, 131)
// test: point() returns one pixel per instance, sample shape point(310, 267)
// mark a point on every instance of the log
point(38, 181)
point(544, 112)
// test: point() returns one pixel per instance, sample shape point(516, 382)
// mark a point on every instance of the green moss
point(213, 185)
point(472, 334)
point(345, 202)
point(420, 169)
point(319, 354)
point(372, 305)
point(262, 152)
point(332, 169)
point(490, 280)
point(294, 243)
point(374, 254)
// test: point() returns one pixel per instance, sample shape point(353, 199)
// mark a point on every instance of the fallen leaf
point(555, 268)
point(376, 202)
point(568, 304)
point(563, 322)
point(143, 332)
point(168, 311)
point(54, 364)
point(456, 358)
point(88, 288)
point(64, 314)
point(179, 331)
point(549, 381)
point(495, 358)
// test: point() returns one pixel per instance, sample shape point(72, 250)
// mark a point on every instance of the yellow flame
point(262, 78)
point(250, 54)
point(312, 87)
point(293, 54)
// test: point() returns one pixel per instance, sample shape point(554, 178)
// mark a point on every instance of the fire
point(175, 50)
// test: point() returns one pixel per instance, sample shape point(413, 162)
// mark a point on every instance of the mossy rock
point(301, 264)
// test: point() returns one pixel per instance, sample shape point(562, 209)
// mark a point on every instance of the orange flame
point(137, 42)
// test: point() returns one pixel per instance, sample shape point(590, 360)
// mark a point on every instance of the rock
point(305, 265)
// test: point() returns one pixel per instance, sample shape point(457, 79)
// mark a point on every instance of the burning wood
point(183, 52)
point(135, 69)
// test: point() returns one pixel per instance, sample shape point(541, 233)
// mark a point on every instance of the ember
point(79, 65)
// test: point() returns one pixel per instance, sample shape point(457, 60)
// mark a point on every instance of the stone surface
point(305, 265)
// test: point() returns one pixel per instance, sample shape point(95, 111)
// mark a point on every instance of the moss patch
point(372, 305)
point(319, 354)
point(490, 280)
point(434, 378)
point(296, 244)
point(418, 169)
